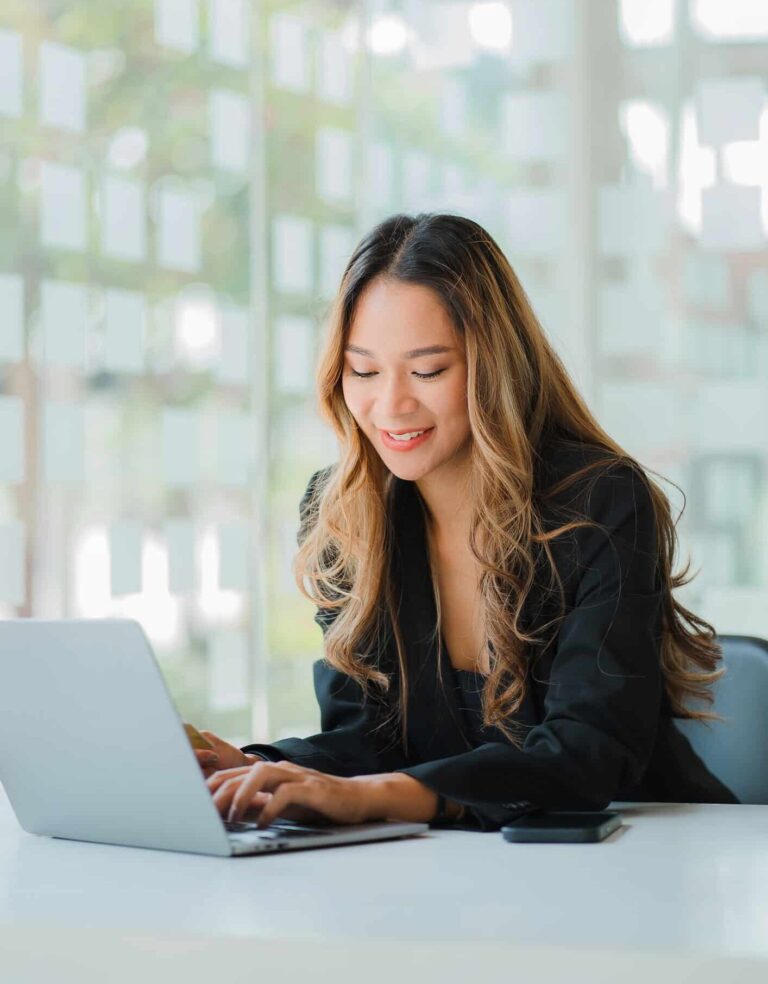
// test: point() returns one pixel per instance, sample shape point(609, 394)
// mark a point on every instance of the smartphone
point(562, 828)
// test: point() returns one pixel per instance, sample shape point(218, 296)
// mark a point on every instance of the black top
point(468, 687)
point(596, 720)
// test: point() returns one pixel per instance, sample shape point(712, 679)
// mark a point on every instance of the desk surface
point(690, 879)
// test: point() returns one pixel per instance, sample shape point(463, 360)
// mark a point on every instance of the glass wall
point(181, 183)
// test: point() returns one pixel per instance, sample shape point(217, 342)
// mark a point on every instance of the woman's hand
point(221, 755)
point(267, 790)
point(282, 789)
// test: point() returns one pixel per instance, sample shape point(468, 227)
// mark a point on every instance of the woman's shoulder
point(310, 500)
point(315, 485)
point(560, 456)
point(575, 476)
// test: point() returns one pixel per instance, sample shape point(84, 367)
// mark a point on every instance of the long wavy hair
point(518, 392)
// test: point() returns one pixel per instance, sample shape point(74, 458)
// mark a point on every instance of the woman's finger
point(270, 771)
point(222, 799)
point(223, 796)
point(247, 788)
point(259, 781)
point(236, 791)
point(269, 775)
point(310, 794)
point(252, 811)
point(264, 777)
point(224, 775)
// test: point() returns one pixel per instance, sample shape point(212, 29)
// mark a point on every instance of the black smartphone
point(562, 828)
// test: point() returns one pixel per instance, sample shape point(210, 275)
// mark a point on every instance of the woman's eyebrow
point(412, 354)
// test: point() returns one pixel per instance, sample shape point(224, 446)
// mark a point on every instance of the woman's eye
point(419, 375)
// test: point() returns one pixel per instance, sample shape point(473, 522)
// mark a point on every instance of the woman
point(493, 573)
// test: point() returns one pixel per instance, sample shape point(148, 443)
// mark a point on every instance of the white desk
point(680, 890)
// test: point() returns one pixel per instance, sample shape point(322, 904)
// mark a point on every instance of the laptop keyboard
point(280, 828)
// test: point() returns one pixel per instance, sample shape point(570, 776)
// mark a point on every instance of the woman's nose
point(397, 398)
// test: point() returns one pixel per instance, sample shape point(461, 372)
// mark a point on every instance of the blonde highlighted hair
point(518, 393)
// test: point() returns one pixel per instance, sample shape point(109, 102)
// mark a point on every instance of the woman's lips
point(415, 442)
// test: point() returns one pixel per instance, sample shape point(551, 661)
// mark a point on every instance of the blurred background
point(181, 183)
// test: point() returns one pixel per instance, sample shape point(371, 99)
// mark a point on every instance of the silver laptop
point(92, 748)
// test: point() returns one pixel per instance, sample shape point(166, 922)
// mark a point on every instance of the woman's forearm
point(396, 796)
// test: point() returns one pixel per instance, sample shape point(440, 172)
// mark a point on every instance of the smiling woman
point(492, 572)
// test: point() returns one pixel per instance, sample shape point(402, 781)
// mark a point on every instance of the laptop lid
point(91, 745)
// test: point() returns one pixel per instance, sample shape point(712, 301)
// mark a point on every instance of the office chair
point(736, 749)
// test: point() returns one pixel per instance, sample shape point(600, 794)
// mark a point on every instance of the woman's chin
point(408, 471)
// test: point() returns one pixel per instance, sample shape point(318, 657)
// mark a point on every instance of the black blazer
point(597, 721)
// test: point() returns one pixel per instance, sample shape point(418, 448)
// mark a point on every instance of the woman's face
point(405, 372)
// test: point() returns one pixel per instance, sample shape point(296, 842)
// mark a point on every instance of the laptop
point(93, 749)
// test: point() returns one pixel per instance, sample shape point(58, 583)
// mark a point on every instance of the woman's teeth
point(405, 437)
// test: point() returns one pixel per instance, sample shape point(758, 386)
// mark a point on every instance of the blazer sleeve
point(603, 698)
point(355, 738)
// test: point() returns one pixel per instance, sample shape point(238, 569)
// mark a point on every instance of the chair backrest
point(736, 749)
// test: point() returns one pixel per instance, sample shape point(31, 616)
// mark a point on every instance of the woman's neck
point(446, 496)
